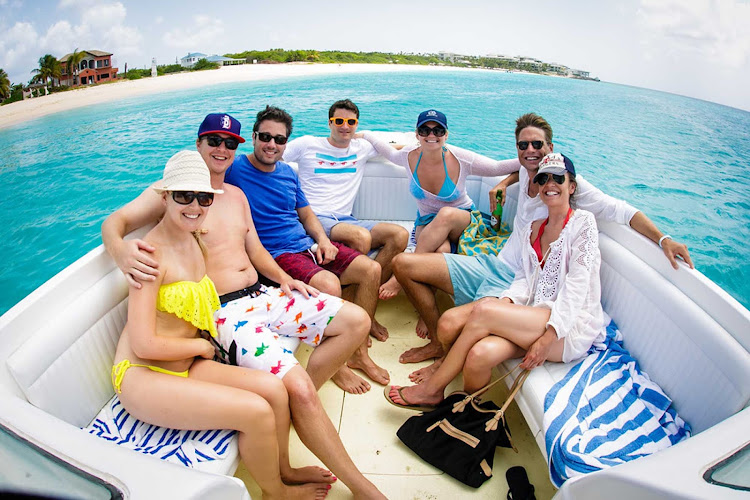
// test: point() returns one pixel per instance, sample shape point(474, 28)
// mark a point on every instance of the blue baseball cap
point(432, 115)
point(556, 163)
point(220, 123)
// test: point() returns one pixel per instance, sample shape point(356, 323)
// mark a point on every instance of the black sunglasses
point(524, 145)
point(187, 197)
point(542, 178)
point(215, 141)
point(266, 137)
point(425, 131)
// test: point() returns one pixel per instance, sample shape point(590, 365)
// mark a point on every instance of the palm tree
point(4, 84)
point(73, 64)
point(49, 68)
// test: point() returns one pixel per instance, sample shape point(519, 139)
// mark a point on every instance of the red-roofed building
point(95, 67)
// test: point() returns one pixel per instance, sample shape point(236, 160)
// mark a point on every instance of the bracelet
point(662, 240)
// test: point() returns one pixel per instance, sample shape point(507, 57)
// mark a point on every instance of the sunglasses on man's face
point(425, 131)
point(187, 197)
point(542, 179)
point(524, 145)
point(338, 121)
point(266, 137)
point(215, 141)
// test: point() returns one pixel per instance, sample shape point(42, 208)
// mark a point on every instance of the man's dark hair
point(534, 120)
point(343, 104)
point(274, 114)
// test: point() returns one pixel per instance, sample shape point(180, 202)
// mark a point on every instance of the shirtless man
point(330, 171)
point(470, 278)
point(235, 255)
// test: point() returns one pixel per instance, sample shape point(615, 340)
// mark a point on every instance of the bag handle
point(460, 405)
point(493, 422)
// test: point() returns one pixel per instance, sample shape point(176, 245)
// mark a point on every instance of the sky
point(696, 48)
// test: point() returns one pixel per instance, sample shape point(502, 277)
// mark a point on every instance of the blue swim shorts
point(477, 276)
point(330, 220)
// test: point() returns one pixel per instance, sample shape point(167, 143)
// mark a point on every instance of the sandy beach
point(37, 107)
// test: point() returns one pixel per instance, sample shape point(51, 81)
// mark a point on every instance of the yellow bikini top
point(191, 301)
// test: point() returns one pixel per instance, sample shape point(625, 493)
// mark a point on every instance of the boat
point(689, 335)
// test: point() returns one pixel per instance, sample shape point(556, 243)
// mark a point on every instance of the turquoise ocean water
point(682, 161)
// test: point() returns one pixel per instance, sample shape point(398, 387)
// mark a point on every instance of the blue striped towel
point(115, 424)
point(605, 412)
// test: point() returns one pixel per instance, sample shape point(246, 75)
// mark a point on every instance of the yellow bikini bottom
point(118, 372)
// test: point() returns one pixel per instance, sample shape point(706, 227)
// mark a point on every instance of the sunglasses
point(524, 145)
point(215, 141)
point(425, 131)
point(266, 137)
point(187, 197)
point(338, 121)
point(542, 179)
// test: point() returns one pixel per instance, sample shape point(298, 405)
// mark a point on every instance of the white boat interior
point(691, 337)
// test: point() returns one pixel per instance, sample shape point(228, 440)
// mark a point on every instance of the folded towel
point(115, 424)
point(605, 412)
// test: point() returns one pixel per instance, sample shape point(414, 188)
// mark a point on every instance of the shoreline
point(37, 107)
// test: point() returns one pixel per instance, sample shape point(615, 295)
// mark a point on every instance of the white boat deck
point(367, 425)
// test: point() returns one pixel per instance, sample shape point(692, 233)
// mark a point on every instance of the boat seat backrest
point(69, 358)
point(705, 375)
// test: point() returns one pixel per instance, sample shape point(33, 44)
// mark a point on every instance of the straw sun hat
point(186, 171)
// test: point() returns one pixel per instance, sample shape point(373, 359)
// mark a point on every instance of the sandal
point(519, 487)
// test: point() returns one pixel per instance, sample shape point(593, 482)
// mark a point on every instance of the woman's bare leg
point(272, 389)
point(522, 325)
point(483, 357)
point(447, 225)
point(190, 403)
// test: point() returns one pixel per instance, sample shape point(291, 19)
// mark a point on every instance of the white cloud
point(17, 45)
point(205, 34)
point(715, 30)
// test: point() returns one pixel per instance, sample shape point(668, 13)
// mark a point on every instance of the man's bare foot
point(309, 491)
point(349, 381)
point(311, 474)
point(389, 289)
point(378, 331)
point(421, 329)
point(419, 376)
point(414, 395)
point(367, 365)
point(423, 353)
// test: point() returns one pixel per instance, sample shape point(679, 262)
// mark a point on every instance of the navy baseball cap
point(432, 115)
point(556, 163)
point(220, 123)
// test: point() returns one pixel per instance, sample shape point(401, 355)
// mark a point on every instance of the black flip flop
point(519, 487)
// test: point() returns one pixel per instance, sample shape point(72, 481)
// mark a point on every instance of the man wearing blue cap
point(235, 256)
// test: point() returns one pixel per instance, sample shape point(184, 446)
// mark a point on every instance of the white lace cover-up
point(568, 284)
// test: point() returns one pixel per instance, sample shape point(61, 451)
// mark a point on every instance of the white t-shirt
point(329, 176)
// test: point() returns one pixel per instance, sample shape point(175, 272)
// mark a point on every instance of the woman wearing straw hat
point(164, 373)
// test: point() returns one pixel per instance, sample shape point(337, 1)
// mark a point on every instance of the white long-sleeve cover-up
point(587, 197)
point(568, 284)
point(470, 163)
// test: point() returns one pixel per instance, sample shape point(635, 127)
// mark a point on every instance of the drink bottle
point(497, 214)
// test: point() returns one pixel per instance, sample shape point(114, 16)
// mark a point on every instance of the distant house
point(191, 58)
point(224, 61)
point(579, 73)
point(95, 67)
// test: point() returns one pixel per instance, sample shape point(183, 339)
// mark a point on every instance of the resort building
point(224, 61)
point(579, 73)
point(95, 67)
point(192, 58)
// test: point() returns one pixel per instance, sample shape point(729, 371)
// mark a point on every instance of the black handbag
point(460, 435)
